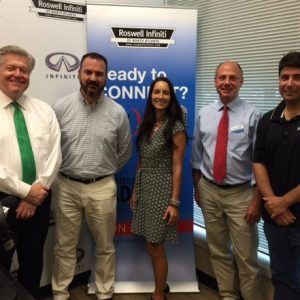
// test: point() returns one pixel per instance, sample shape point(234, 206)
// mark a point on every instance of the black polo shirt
point(278, 148)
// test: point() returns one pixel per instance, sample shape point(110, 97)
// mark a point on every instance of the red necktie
point(221, 147)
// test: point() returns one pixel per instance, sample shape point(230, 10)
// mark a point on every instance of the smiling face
point(228, 81)
point(92, 77)
point(14, 75)
point(160, 97)
point(289, 85)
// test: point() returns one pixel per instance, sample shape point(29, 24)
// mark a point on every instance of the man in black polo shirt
point(277, 173)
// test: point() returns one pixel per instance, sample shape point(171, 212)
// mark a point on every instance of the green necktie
point(27, 158)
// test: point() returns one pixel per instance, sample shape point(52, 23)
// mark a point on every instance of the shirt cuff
point(23, 190)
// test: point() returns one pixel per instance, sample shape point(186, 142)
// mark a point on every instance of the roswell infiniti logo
point(54, 61)
point(59, 10)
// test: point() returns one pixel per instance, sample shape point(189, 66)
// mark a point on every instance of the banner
point(140, 44)
point(54, 32)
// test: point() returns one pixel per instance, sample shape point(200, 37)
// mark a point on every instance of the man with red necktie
point(224, 187)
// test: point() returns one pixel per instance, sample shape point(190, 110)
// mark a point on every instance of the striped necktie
point(27, 157)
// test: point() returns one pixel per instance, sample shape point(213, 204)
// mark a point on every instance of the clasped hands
point(27, 206)
point(278, 209)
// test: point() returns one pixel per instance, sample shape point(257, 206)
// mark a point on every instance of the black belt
point(84, 180)
point(225, 186)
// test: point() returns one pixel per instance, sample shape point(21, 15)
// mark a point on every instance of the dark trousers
point(31, 235)
point(284, 249)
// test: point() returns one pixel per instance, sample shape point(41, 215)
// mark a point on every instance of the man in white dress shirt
point(30, 156)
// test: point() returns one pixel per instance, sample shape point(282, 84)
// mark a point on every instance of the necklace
point(288, 118)
point(156, 126)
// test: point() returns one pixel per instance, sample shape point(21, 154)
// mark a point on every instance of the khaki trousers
point(96, 203)
point(231, 240)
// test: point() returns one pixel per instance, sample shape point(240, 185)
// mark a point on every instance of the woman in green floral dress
point(155, 201)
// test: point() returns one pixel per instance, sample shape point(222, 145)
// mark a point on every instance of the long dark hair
point(173, 113)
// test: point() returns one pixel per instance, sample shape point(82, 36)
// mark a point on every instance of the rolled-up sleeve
point(124, 141)
point(197, 147)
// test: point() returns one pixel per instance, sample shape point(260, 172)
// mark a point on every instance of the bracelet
point(174, 203)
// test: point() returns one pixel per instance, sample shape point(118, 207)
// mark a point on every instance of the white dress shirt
point(44, 133)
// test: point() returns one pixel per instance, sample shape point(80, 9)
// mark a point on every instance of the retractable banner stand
point(140, 44)
point(54, 32)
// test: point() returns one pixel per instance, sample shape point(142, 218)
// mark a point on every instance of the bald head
point(230, 62)
point(228, 80)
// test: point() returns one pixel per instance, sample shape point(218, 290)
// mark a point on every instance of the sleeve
point(178, 127)
point(197, 147)
point(259, 151)
point(185, 115)
point(124, 140)
point(254, 124)
point(11, 184)
point(53, 161)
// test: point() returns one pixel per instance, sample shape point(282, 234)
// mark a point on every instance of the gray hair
point(12, 49)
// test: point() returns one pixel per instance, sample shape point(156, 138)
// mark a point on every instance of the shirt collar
point(6, 101)
point(277, 113)
point(86, 103)
point(233, 105)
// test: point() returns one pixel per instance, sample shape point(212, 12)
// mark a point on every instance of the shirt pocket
point(238, 141)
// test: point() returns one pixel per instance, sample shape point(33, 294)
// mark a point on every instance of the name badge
point(237, 128)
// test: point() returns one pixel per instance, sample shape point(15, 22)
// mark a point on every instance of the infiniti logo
point(55, 60)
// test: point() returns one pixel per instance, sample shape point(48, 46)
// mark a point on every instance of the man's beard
point(92, 90)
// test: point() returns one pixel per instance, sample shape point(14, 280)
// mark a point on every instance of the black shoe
point(167, 289)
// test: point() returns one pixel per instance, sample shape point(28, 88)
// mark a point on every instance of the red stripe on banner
point(125, 228)
point(186, 226)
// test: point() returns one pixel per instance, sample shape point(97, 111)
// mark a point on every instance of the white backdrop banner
point(54, 32)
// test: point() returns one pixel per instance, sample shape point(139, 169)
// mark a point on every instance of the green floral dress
point(153, 188)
